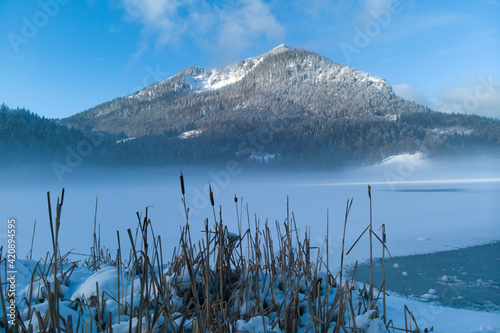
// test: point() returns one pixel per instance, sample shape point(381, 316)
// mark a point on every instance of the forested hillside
point(26, 138)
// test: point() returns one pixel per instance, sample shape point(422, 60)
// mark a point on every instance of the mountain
point(280, 84)
point(286, 107)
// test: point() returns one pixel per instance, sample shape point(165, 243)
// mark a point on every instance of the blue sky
point(60, 57)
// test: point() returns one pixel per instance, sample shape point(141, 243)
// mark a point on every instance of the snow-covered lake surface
point(426, 207)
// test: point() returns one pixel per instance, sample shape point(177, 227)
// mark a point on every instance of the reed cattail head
point(182, 184)
point(369, 191)
point(62, 196)
point(235, 199)
point(211, 195)
point(384, 236)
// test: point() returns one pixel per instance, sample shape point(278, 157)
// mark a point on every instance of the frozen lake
point(426, 206)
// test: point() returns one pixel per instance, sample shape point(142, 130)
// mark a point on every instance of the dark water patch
point(431, 190)
point(465, 278)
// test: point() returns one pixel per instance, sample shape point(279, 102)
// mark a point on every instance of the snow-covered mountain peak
point(303, 66)
point(198, 79)
point(225, 75)
point(222, 76)
point(278, 49)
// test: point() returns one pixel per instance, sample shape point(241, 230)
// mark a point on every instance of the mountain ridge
point(279, 72)
point(312, 110)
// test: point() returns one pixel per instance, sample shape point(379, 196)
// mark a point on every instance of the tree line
point(26, 138)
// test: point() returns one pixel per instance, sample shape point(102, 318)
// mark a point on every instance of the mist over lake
point(427, 206)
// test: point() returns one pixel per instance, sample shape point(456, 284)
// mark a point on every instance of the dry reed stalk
point(132, 285)
point(393, 264)
point(412, 318)
point(98, 312)
point(55, 238)
point(164, 295)
point(94, 238)
point(327, 240)
point(384, 239)
point(406, 319)
point(192, 284)
point(351, 308)
point(30, 296)
point(30, 253)
point(41, 327)
point(371, 246)
point(340, 312)
point(118, 275)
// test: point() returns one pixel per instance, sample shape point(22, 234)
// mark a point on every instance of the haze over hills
point(286, 107)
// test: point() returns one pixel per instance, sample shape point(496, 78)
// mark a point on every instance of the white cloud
point(371, 9)
point(476, 95)
point(232, 25)
point(407, 92)
point(320, 11)
point(242, 26)
point(161, 17)
point(481, 97)
point(376, 5)
point(432, 21)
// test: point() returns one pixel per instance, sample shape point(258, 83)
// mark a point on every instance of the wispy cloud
point(430, 21)
point(231, 25)
point(243, 25)
point(371, 8)
point(320, 11)
point(476, 94)
point(411, 24)
point(482, 97)
point(408, 92)
point(160, 17)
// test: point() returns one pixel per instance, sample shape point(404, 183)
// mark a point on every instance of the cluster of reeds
point(249, 280)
